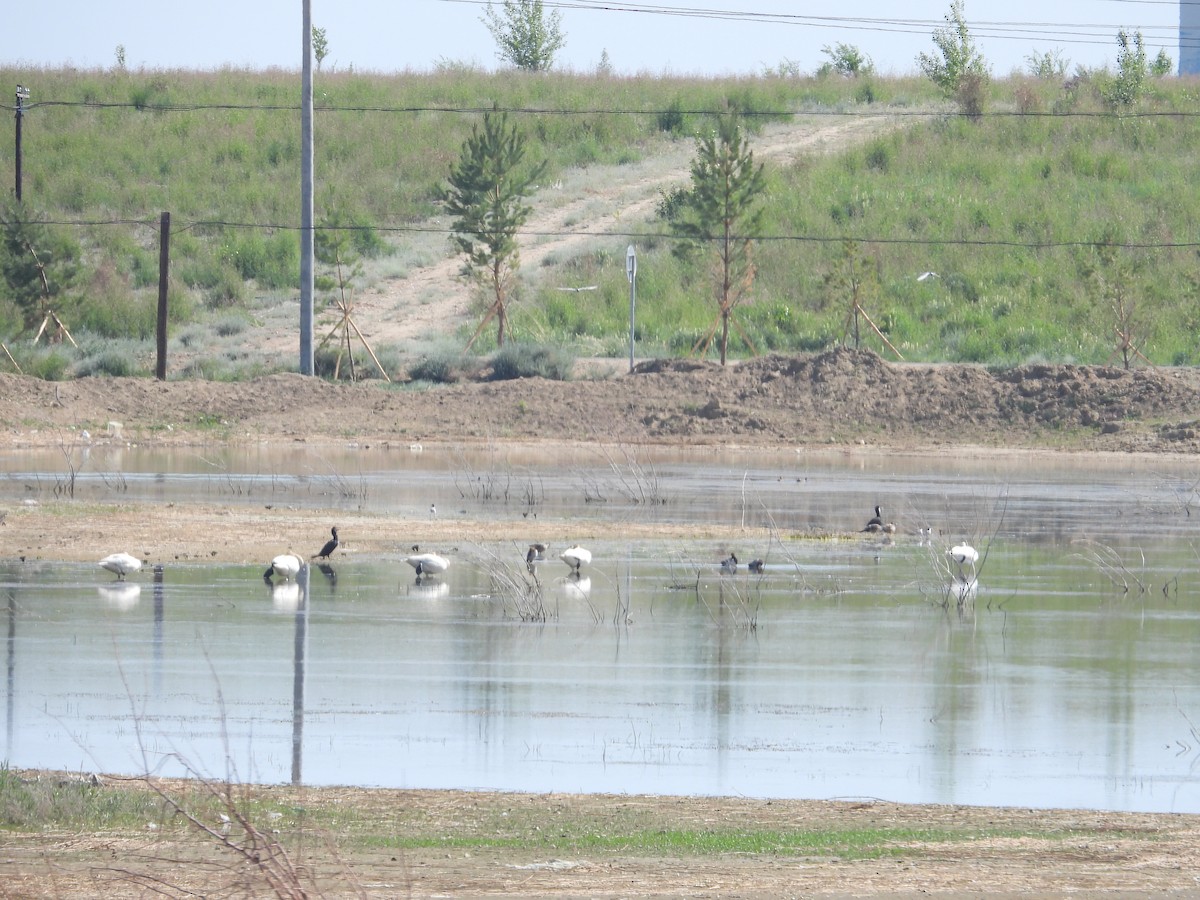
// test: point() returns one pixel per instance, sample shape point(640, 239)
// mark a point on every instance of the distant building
point(1189, 37)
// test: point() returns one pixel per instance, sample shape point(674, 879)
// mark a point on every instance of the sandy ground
point(939, 850)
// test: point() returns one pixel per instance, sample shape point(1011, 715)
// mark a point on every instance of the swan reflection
point(574, 587)
point(285, 596)
point(121, 595)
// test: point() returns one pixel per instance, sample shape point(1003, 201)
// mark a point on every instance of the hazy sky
point(718, 37)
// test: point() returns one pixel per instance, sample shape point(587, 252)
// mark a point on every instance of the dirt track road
point(586, 206)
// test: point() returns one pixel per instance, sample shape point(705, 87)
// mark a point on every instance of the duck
point(729, 566)
point(576, 558)
point(121, 564)
point(286, 565)
point(428, 564)
point(756, 566)
point(330, 546)
point(964, 554)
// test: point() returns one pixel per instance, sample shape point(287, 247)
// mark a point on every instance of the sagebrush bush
point(118, 363)
point(532, 361)
point(444, 366)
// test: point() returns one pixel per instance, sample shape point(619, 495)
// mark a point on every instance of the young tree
point(38, 267)
point(1126, 89)
point(1114, 272)
point(959, 69)
point(486, 196)
point(847, 60)
point(854, 280)
point(525, 35)
point(1048, 66)
point(320, 45)
point(720, 216)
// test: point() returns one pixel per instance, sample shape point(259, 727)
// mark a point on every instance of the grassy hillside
point(1041, 218)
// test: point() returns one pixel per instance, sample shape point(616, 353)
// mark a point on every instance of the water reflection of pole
point(158, 628)
point(12, 672)
point(301, 645)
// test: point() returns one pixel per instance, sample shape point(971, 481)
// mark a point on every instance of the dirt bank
point(839, 397)
point(346, 842)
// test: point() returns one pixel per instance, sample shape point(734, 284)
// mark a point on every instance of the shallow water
point(847, 670)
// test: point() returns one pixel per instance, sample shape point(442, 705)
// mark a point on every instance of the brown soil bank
point(842, 396)
point(348, 842)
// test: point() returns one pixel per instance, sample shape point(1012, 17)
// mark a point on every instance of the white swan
point(428, 564)
point(121, 564)
point(964, 554)
point(576, 558)
point(286, 565)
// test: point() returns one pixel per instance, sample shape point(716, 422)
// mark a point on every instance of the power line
point(883, 113)
point(1062, 32)
point(647, 235)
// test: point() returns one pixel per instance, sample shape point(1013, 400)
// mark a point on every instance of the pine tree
point(486, 196)
point(38, 267)
point(721, 217)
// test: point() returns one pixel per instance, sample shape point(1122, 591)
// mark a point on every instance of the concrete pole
point(306, 198)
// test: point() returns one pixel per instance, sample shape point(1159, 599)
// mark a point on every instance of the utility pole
point(307, 249)
point(164, 269)
point(22, 96)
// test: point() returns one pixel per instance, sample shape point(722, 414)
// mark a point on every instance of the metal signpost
point(631, 274)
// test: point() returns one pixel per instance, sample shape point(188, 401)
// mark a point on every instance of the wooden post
point(164, 267)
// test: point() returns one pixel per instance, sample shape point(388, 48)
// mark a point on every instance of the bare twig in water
point(516, 585)
point(256, 856)
point(1112, 566)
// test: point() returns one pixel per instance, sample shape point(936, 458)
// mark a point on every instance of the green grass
point(1007, 209)
point(370, 821)
point(667, 842)
point(77, 804)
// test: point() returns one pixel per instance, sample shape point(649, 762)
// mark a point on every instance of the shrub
point(46, 363)
point(671, 120)
point(532, 361)
point(443, 367)
point(117, 363)
point(229, 325)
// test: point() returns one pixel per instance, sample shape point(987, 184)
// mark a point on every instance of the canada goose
point(875, 523)
point(576, 558)
point(286, 565)
point(330, 546)
point(536, 554)
point(964, 554)
point(729, 566)
point(120, 564)
point(428, 564)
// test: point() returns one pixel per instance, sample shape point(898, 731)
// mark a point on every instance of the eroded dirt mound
point(842, 396)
